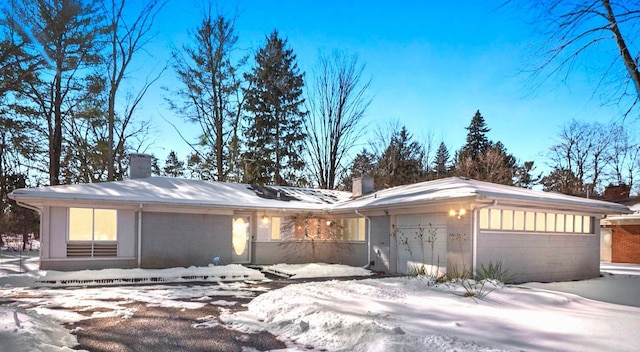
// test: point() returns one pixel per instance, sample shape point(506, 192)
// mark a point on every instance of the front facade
point(442, 226)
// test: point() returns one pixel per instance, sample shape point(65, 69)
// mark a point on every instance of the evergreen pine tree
point(401, 163)
point(274, 101)
point(441, 163)
point(173, 166)
point(477, 141)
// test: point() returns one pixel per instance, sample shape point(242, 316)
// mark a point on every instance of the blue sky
point(432, 65)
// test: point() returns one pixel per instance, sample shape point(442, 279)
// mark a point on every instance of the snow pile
point(24, 330)
point(315, 270)
point(413, 315)
point(231, 272)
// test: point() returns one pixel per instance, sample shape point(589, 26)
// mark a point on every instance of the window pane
point(559, 222)
point(362, 226)
point(551, 222)
point(518, 220)
point(275, 228)
point(540, 222)
point(104, 225)
point(484, 219)
point(80, 224)
point(569, 223)
point(578, 227)
point(494, 219)
point(507, 219)
point(529, 221)
point(586, 224)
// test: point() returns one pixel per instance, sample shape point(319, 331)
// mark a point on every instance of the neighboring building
point(448, 224)
point(620, 233)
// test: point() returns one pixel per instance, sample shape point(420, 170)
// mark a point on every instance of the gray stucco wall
point(173, 240)
point(542, 257)
point(459, 245)
point(350, 253)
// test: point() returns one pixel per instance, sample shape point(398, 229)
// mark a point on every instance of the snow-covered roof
point(459, 188)
point(183, 192)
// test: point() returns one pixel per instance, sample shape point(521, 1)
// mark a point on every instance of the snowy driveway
point(391, 314)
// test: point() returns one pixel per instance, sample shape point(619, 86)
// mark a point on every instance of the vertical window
point(507, 219)
point(586, 224)
point(540, 222)
point(569, 223)
point(551, 222)
point(484, 218)
point(494, 219)
point(530, 221)
point(560, 223)
point(362, 232)
point(275, 228)
point(578, 226)
point(86, 224)
point(518, 220)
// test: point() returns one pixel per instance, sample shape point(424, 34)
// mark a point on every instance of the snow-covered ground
point(391, 314)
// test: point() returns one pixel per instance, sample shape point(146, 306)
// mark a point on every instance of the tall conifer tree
point(274, 101)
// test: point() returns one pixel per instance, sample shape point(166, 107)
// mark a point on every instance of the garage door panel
point(414, 237)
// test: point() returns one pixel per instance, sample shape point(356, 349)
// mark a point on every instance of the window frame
point(93, 226)
point(535, 221)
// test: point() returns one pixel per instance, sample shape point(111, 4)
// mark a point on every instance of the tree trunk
point(628, 60)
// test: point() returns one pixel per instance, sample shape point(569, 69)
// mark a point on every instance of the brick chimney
point(361, 186)
point(139, 166)
point(618, 192)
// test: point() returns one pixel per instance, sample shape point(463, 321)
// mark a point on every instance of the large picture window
point(311, 228)
point(87, 224)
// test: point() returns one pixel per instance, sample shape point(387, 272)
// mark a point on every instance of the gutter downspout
point(476, 228)
point(140, 235)
point(39, 211)
point(368, 238)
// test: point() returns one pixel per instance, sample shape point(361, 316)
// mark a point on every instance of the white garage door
point(415, 237)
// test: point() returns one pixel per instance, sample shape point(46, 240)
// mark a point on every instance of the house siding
point(182, 240)
point(459, 245)
point(542, 257)
point(57, 233)
point(625, 244)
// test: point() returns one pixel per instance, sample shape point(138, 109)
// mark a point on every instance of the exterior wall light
point(457, 213)
point(265, 219)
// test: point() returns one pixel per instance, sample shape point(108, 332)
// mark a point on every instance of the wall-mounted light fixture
point(265, 219)
point(457, 213)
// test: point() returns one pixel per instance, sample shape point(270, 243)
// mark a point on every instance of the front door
point(241, 239)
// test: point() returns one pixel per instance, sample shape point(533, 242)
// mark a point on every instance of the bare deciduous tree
point(597, 34)
point(583, 150)
point(337, 101)
point(124, 39)
point(624, 155)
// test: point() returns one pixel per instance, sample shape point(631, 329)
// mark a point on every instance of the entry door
point(241, 239)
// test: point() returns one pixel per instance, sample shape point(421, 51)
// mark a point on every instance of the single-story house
point(451, 224)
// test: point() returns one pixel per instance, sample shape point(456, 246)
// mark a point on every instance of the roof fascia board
point(561, 206)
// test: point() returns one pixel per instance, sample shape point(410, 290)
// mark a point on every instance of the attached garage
point(422, 241)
